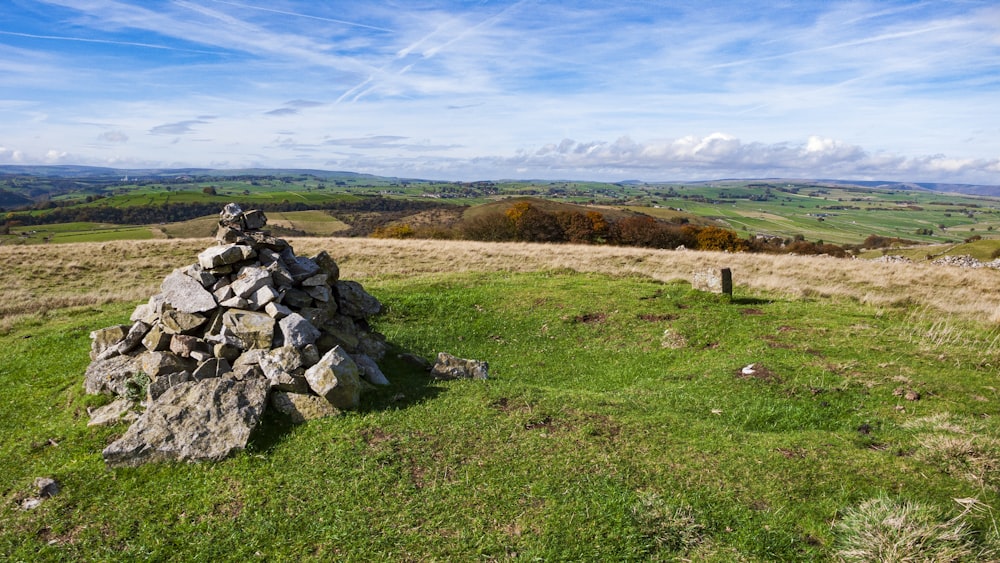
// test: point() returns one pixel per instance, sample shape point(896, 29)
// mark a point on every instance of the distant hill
point(97, 172)
point(969, 189)
point(11, 199)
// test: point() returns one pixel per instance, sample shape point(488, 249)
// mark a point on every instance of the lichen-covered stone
point(111, 413)
point(298, 331)
point(109, 375)
point(328, 266)
point(105, 338)
point(249, 280)
point(369, 370)
point(180, 322)
point(355, 302)
point(160, 384)
point(451, 367)
point(184, 293)
point(155, 364)
point(335, 378)
point(193, 421)
point(248, 312)
point(217, 256)
point(250, 328)
point(300, 407)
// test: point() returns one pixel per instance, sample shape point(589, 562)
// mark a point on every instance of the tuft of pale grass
point(930, 332)
point(960, 450)
point(940, 422)
point(883, 529)
point(973, 458)
point(672, 528)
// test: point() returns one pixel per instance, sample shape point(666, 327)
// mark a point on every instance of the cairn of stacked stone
point(249, 323)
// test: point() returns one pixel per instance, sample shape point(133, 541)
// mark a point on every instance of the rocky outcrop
point(250, 317)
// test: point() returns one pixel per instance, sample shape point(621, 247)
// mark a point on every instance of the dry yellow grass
point(36, 279)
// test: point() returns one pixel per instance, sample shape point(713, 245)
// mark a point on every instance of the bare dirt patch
point(652, 318)
point(591, 318)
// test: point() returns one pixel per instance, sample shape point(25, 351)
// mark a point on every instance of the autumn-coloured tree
point(576, 227)
point(643, 230)
point(534, 225)
point(599, 224)
point(490, 227)
point(716, 238)
point(403, 230)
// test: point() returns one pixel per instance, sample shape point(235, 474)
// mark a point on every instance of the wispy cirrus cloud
point(113, 137)
point(177, 127)
point(460, 89)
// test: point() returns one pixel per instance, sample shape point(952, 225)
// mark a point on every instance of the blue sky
point(488, 90)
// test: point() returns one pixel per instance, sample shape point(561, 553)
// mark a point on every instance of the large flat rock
point(185, 294)
point(206, 420)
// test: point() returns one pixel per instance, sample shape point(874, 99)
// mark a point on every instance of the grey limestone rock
point(184, 293)
point(105, 338)
point(328, 266)
point(179, 322)
point(184, 345)
point(451, 367)
point(111, 413)
point(131, 341)
point(200, 275)
point(355, 302)
point(277, 310)
point(157, 340)
point(249, 280)
point(335, 378)
point(212, 367)
point(218, 256)
point(206, 420)
point(160, 384)
point(250, 328)
point(301, 407)
point(109, 375)
point(298, 331)
point(369, 370)
point(155, 364)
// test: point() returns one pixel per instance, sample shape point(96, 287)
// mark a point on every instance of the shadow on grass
point(750, 301)
point(409, 385)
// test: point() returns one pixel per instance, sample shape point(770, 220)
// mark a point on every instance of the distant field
point(313, 223)
point(838, 215)
point(76, 232)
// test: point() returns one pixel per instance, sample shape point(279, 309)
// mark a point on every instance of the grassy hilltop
point(619, 422)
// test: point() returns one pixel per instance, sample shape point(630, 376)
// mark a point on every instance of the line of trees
point(172, 212)
point(527, 223)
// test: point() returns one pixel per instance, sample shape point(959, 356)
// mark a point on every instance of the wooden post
point(727, 282)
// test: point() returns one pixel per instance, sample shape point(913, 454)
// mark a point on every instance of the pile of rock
point(892, 259)
point(251, 321)
point(966, 261)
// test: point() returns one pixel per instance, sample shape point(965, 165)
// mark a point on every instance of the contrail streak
point(108, 42)
point(299, 15)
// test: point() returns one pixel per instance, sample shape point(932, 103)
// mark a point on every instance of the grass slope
point(617, 425)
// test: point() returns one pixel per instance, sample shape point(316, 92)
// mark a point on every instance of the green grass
point(76, 232)
point(592, 441)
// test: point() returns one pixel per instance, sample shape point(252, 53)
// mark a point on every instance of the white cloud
point(11, 156)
